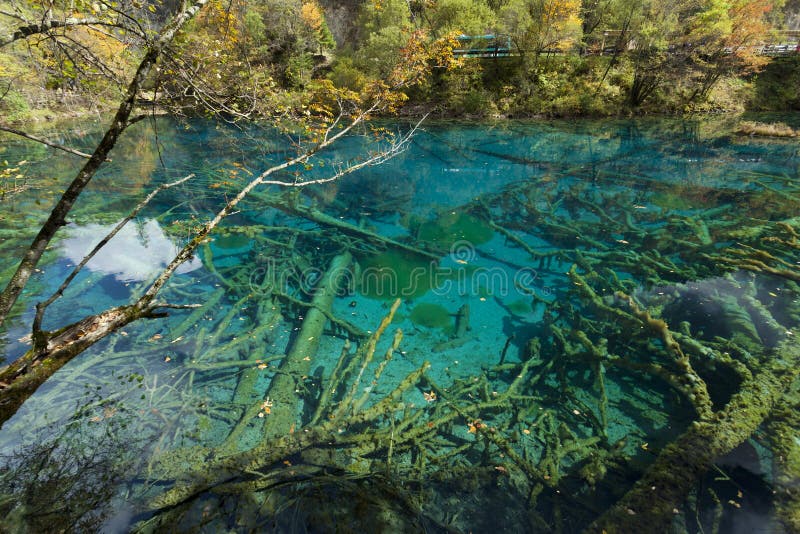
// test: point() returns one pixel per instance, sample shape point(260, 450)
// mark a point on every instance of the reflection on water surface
point(574, 299)
point(138, 252)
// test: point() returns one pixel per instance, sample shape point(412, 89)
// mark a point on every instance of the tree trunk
point(283, 389)
point(58, 216)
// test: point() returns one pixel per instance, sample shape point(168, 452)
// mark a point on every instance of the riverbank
point(776, 88)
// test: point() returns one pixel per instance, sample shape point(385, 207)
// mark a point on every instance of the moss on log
point(659, 495)
point(283, 391)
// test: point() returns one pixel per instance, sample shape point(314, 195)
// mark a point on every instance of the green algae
point(671, 201)
point(520, 307)
point(398, 274)
point(432, 316)
point(230, 241)
point(454, 226)
point(392, 274)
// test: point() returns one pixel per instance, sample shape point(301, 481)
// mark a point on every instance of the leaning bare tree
point(339, 114)
point(56, 26)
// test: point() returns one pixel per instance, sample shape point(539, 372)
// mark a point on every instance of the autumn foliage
point(261, 58)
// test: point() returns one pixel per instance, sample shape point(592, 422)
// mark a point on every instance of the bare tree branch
point(12, 15)
point(57, 217)
point(157, 305)
point(202, 92)
point(46, 26)
point(136, 25)
point(46, 142)
point(42, 306)
point(190, 247)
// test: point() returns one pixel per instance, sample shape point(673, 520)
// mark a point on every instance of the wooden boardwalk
point(484, 46)
point(782, 43)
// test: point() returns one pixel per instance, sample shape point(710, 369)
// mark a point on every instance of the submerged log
point(460, 328)
point(659, 495)
point(246, 393)
point(284, 389)
point(781, 431)
point(323, 219)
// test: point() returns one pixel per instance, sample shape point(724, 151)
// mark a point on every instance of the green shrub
point(346, 74)
point(475, 102)
point(777, 87)
point(298, 70)
point(14, 106)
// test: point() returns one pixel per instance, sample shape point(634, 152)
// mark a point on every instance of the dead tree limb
point(58, 216)
point(46, 26)
point(51, 144)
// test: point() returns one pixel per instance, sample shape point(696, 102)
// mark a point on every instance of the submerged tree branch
point(652, 502)
point(200, 237)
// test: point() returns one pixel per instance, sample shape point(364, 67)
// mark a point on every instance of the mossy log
point(283, 391)
point(781, 430)
point(323, 219)
point(218, 471)
point(659, 495)
point(246, 393)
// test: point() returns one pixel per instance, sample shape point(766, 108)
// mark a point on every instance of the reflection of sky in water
point(665, 176)
point(138, 252)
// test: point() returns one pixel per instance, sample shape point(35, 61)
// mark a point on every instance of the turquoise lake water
point(579, 288)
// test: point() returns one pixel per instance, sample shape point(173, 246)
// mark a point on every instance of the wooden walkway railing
point(781, 43)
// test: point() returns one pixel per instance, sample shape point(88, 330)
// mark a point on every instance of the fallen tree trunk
point(660, 494)
point(21, 378)
point(219, 467)
point(781, 431)
point(246, 393)
point(283, 389)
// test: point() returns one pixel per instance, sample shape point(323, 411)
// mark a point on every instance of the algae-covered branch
point(563, 347)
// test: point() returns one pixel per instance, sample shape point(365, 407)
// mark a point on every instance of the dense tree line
point(673, 56)
point(673, 53)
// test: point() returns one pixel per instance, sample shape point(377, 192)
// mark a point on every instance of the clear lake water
point(550, 255)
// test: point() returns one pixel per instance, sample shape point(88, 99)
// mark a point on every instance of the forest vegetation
point(566, 57)
point(636, 264)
